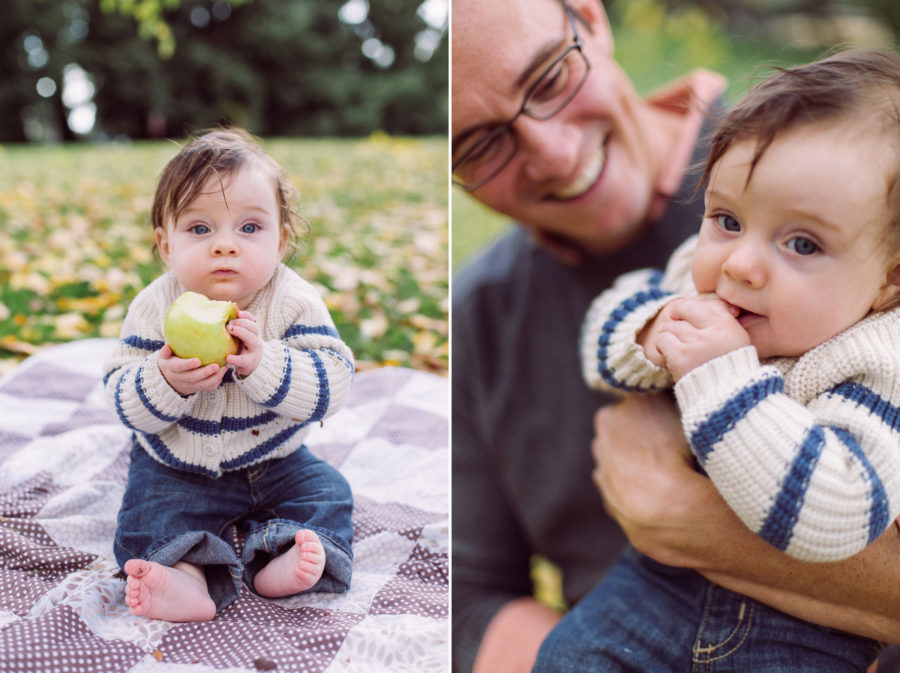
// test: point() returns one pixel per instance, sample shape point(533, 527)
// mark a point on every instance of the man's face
point(586, 174)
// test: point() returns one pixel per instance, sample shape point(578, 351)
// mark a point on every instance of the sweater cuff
point(160, 395)
point(711, 381)
point(611, 356)
point(271, 375)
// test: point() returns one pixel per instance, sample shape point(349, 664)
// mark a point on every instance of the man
point(548, 130)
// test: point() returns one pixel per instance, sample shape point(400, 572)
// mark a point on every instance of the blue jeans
point(645, 617)
point(169, 516)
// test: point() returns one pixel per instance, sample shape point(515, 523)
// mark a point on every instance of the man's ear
point(889, 295)
point(162, 243)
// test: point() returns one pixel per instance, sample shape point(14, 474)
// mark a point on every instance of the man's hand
point(245, 328)
point(186, 376)
point(695, 331)
point(675, 515)
point(646, 475)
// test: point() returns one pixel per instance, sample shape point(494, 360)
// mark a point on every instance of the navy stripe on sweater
point(142, 395)
point(856, 392)
point(778, 527)
point(303, 330)
point(162, 452)
point(324, 394)
point(145, 400)
point(284, 385)
point(140, 343)
point(227, 424)
point(879, 510)
point(709, 432)
point(617, 315)
point(340, 358)
point(265, 448)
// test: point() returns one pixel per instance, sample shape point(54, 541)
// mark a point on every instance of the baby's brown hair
point(860, 82)
point(220, 153)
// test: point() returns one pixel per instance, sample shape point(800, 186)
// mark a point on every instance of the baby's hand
point(245, 328)
point(698, 329)
point(649, 336)
point(186, 376)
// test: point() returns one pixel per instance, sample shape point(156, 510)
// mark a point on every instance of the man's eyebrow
point(540, 58)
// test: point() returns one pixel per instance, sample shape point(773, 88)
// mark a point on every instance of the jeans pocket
point(725, 626)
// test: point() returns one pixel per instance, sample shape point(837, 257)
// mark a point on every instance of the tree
point(274, 66)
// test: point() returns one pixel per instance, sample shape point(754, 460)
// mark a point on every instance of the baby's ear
point(161, 234)
point(284, 241)
point(889, 295)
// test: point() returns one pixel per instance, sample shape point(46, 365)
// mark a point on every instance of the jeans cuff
point(278, 535)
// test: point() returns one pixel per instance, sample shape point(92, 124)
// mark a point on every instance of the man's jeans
point(169, 516)
point(646, 617)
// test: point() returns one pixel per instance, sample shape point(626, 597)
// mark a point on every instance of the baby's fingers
point(701, 313)
point(243, 329)
point(172, 363)
point(209, 378)
point(679, 330)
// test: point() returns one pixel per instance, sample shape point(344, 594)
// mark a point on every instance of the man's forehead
point(497, 47)
point(501, 29)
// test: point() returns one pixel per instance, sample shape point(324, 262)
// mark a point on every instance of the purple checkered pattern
point(63, 461)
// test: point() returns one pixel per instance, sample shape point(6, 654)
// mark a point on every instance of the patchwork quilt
point(63, 463)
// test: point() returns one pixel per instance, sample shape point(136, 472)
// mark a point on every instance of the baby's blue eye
point(249, 228)
point(200, 229)
point(728, 223)
point(802, 246)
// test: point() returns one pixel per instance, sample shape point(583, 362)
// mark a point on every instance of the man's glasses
point(482, 157)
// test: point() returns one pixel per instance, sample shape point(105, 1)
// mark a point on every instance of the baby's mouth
point(585, 179)
point(741, 314)
point(744, 316)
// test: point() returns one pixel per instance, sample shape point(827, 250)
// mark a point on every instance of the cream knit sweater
point(304, 376)
point(805, 450)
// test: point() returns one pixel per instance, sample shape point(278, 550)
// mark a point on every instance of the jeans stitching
point(744, 623)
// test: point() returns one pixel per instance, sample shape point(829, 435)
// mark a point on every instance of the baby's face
point(229, 241)
point(801, 248)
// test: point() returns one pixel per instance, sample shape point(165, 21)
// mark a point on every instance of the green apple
point(195, 328)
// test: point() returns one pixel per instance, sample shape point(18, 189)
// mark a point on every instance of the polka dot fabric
point(61, 595)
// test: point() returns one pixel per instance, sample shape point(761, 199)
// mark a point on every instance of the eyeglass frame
point(577, 44)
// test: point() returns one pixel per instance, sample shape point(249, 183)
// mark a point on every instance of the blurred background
point(151, 68)
point(349, 96)
point(658, 40)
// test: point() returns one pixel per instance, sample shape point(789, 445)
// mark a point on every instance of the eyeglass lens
point(482, 157)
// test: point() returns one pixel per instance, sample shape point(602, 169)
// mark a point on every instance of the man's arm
point(497, 626)
point(513, 637)
point(645, 472)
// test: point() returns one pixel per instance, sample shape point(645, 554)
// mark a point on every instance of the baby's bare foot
point(175, 594)
point(296, 570)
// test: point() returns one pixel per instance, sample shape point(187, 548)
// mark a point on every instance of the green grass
point(473, 225)
point(75, 241)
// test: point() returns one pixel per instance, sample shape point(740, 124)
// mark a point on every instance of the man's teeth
point(585, 179)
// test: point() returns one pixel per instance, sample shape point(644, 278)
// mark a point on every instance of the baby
point(778, 325)
point(220, 445)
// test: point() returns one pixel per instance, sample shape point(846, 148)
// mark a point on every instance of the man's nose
point(549, 147)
